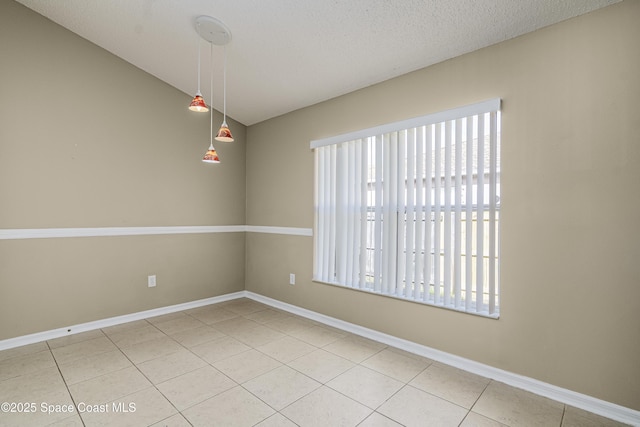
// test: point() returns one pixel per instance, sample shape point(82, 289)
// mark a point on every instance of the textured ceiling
point(288, 54)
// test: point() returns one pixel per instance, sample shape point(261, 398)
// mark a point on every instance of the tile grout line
point(211, 365)
point(564, 411)
point(404, 383)
point(356, 364)
point(286, 364)
point(138, 369)
point(325, 384)
point(476, 401)
point(148, 379)
point(64, 380)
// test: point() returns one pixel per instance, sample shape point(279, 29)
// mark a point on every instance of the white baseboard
point(568, 397)
point(103, 323)
point(578, 400)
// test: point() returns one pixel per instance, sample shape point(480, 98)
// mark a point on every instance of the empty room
point(319, 213)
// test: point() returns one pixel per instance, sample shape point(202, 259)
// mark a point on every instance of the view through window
point(412, 209)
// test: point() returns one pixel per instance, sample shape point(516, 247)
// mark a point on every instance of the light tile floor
point(242, 363)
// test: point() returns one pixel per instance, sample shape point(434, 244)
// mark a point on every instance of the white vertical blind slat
point(408, 176)
point(428, 231)
point(319, 206)
point(392, 224)
point(457, 256)
point(364, 188)
point(468, 248)
point(377, 265)
point(437, 222)
point(419, 208)
point(351, 214)
point(400, 229)
point(386, 212)
point(448, 130)
point(493, 167)
point(331, 190)
point(480, 218)
point(342, 213)
point(326, 219)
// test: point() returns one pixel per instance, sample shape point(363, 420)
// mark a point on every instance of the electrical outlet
point(292, 279)
point(151, 281)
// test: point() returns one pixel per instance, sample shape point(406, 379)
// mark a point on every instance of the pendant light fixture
point(224, 134)
point(215, 32)
point(211, 156)
point(197, 103)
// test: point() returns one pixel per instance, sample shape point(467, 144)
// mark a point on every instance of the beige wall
point(88, 140)
point(570, 312)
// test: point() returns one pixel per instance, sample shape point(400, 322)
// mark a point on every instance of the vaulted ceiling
point(288, 54)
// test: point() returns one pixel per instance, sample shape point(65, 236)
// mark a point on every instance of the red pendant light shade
point(211, 156)
point(224, 134)
point(198, 104)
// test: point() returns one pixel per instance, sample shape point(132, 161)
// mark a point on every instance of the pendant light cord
point(211, 98)
point(224, 95)
point(199, 38)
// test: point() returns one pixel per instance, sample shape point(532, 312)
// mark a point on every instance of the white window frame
point(373, 202)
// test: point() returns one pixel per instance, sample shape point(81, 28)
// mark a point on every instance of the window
point(412, 209)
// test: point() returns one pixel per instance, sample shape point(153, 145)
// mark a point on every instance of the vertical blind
point(411, 209)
